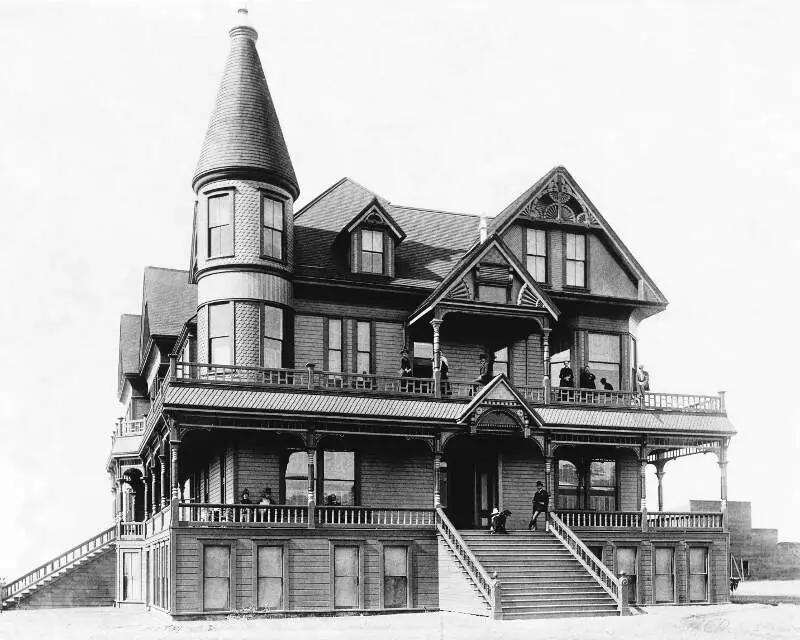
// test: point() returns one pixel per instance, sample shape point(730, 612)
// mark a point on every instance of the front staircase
point(538, 576)
point(82, 576)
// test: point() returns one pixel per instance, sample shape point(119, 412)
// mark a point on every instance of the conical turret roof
point(244, 137)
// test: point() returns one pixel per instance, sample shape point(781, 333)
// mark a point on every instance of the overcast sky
point(680, 120)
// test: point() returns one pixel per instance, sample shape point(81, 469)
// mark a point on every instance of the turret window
point(576, 260)
point(273, 337)
point(220, 225)
point(371, 251)
point(272, 228)
point(220, 333)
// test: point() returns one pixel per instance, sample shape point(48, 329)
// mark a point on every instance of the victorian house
point(323, 412)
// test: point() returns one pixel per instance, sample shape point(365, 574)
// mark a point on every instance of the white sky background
point(681, 121)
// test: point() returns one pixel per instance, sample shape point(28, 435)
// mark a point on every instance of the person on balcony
point(540, 501)
point(267, 498)
point(606, 384)
point(444, 368)
point(565, 377)
point(642, 380)
point(483, 370)
point(405, 363)
point(587, 378)
point(245, 499)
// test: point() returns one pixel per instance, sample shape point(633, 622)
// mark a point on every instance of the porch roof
point(280, 402)
point(634, 420)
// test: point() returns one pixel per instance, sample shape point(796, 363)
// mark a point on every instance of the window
point(626, 563)
point(272, 229)
point(500, 361)
point(536, 258)
point(489, 293)
point(339, 477)
point(130, 575)
point(220, 333)
point(216, 577)
point(604, 358)
point(345, 577)
point(576, 260)
point(371, 251)
point(273, 337)
point(633, 361)
point(295, 484)
point(698, 574)
point(664, 575)
point(395, 577)
point(567, 485)
point(186, 352)
point(220, 225)
point(270, 577)
point(423, 359)
point(603, 480)
point(334, 345)
point(364, 347)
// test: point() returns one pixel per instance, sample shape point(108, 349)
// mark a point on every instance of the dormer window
point(372, 251)
point(272, 235)
point(220, 225)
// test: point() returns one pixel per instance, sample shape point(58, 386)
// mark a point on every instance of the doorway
point(472, 483)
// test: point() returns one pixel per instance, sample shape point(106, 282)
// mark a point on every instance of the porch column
point(437, 358)
point(146, 481)
point(437, 483)
point(660, 475)
point(162, 463)
point(173, 472)
point(153, 493)
point(546, 359)
point(643, 488)
point(311, 452)
point(723, 484)
point(132, 505)
point(548, 475)
point(117, 499)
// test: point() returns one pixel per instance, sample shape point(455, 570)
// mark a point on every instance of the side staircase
point(538, 577)
point(524, 574)
point(82, 576)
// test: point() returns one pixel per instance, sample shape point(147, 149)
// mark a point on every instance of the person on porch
point(565, 377)
point(642, 380)
point(483, 370)
point(587, 378)
point(267, 498)
point(497, 523)
point(245, 498)
point(540, 501)
point(606, 384)
point(405, 363)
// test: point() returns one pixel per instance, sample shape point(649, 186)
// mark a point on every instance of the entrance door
point(131, 588)
point(485, 489)
point(471, 483)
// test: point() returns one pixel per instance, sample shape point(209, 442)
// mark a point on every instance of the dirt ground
point(723, 622)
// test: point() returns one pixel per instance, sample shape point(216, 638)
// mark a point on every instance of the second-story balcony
point(310, 379)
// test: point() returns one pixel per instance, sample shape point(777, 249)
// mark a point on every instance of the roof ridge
point(332, 188)
point(449, 213)
point(166, 269)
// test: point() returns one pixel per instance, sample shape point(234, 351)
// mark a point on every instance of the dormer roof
point(168, 301)
point(244, 137)
point(375, 213)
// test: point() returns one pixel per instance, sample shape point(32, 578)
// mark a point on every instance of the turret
point(243, 236)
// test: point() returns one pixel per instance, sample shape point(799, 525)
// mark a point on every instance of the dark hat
point(404, 350)
point(539, 483)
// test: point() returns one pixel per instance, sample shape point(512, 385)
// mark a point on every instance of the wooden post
point(660, 475)
point(153, 492)
point(173, 473)
point(437, 358)
point(173, 366)
point(548, 475)
point(437, 491)
point(497, 598)
point(546, 360)
point(624, 585)
point(162, 463)
point(643, 489)
point(146, 481)
point(310, 367)
point(723, 484)
point(311, 452)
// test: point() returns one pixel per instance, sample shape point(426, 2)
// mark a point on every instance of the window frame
point(409, 547)
point(216, 193)
point(282, 543)
point(346, 542)
point(361, 251)
point(672, 547)
point(263, 324)
point(590, 359)
point(526, 253)
point(566, 261)
point(570, 490)
point(230, 336)
point(689, 573)
point(493, 352)
point(633, 587)
point(319, 474)
point(275, 197)
point(284, 468)
point(354, 346)
point(231, 545)
point(604, 490)
point(326, 342)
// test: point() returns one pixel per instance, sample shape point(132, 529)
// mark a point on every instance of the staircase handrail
point(487, 585)
point(600, 572)
point(59, 562)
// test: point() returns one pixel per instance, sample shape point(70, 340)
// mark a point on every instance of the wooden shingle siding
point(397, 475)
point(606, 275)
point(388, 342)
point(456, 591)
point(555, 250)
point(519, 362)
point(513, 240)
point(522, 465)
point(308, 341)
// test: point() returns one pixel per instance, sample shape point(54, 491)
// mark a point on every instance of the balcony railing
point(274, 515)
point(158, 522)
point(130, 427)
point(310, 379)
point(131, 530)
point(665, 520)
point(374, 517)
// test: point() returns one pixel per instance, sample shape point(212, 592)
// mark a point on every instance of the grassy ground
point(724, 622)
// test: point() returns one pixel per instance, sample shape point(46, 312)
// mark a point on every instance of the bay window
point(604, 358)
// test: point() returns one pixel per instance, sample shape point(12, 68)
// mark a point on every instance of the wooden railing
point(633, 400)
point(460, 388)
point(366, 382)
point(273, 515)
point(130, 427)
point(602, 519)
point(158, 522)
point(684, 520)
point(374, 517)
point(131, 529)
point(599, 571)
point(534, 395)
point(15, 588)
point(488, 585)
point(258, 376)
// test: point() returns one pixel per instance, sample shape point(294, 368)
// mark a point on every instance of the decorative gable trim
point(499, 393)
point(375, 214)
point(453, 286)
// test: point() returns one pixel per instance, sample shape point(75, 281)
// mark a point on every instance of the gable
point(556, 201)
point(376, 215)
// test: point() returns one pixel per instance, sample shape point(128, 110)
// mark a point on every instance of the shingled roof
point(434, 242)
point(244, 136)
point(168, 301)
point(129, 329)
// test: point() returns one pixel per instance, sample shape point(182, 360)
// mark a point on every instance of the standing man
point(540, 501)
